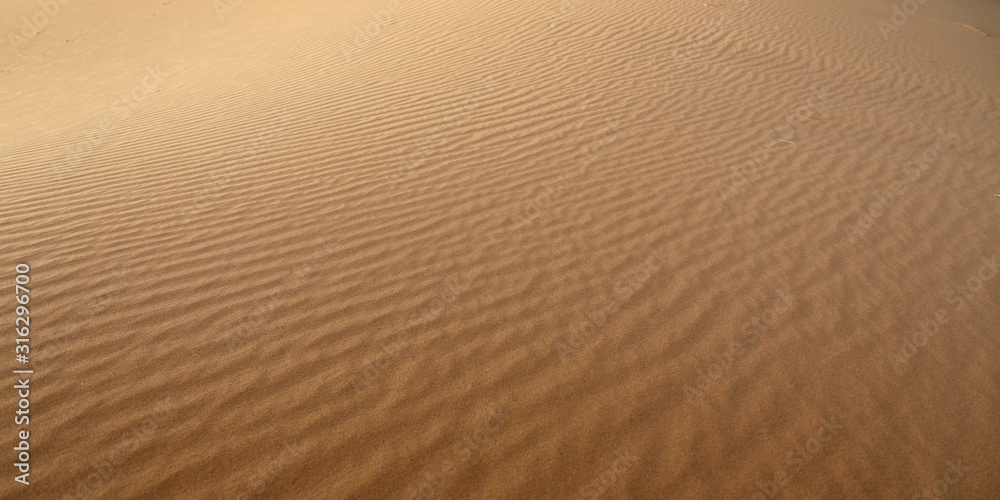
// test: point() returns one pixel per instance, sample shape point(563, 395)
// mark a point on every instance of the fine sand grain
point(510, 249)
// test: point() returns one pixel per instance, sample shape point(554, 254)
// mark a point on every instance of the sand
point(504, 249)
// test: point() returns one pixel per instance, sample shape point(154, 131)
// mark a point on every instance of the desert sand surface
point(509, 249)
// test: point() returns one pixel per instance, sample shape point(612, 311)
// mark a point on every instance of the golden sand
point(505, 249)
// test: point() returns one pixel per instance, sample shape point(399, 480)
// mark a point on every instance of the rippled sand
point(505, 249)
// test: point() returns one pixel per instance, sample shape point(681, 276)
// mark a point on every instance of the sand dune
point(505, 249)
